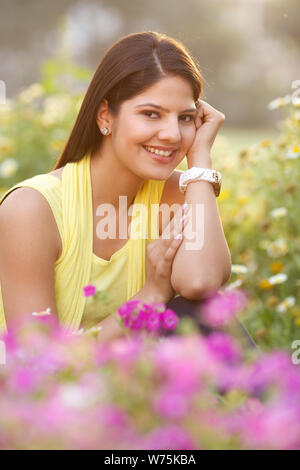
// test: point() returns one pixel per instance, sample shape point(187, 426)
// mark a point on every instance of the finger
point(171, 251)
point(170, 226)
point(210, 110)
point(176, 226)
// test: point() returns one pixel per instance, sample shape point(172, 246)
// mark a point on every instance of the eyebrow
point(190, 110)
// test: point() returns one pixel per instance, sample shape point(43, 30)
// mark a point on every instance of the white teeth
point(158, 152)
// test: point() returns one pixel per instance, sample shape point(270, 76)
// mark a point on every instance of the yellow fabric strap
point(73, 270)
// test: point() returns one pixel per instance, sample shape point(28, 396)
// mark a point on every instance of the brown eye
point(148, 112)
point(192, 118)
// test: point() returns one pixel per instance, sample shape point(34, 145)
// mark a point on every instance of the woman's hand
point(160, 256)
point(208, 122)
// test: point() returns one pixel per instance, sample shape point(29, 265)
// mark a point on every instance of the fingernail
point(183, 218)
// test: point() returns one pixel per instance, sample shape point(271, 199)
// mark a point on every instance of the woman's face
point(140, 124)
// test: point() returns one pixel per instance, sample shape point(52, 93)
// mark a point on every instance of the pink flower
point(128, 307)
point(153, 321)
point(24, 380)
point(276, 427)
point(89, 290)
point(137, 316)
point(169, 319)
point(223, 347)
point(222, 307)
point(171, 403)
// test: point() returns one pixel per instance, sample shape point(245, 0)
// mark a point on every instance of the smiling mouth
point(158, 155)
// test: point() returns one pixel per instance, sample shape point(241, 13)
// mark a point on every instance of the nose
point(170, 131)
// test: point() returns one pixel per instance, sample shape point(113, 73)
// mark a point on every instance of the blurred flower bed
point(64, 389)
point(146, 391)
point(259, 210)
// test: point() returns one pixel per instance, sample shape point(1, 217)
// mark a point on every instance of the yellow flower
point(273, 280)
point(264, 284)
point(266, 143)
point(276, 267)
point(225, 194)
point(242, 200)
point(297, 321)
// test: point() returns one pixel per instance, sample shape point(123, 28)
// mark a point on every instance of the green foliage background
point(264, 176)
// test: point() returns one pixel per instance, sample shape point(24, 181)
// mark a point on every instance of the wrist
point(147, 295)
point(201, 159)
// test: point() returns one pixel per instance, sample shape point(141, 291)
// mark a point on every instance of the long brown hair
point(130, 66)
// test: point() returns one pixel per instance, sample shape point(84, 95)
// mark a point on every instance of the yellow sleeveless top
point(121, 277)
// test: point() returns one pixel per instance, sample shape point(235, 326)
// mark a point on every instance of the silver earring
point(105, 131)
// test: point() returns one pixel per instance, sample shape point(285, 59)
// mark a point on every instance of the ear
point(103, 116)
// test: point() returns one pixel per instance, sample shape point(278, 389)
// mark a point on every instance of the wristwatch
point(195, 173)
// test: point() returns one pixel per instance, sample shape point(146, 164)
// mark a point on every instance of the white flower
point(239, 269)
point(234, 285)
point(277, 248)
point(279, 102)
point(285, 304)
point(278, 278)
point(293, 153)
point(8, 167)
point(278, 212)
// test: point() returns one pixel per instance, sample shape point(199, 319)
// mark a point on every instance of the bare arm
point(28, 251)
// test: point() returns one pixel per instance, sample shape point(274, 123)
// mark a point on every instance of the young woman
point(140, 117)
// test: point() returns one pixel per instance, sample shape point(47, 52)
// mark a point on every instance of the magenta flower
point(223, 347)
point(138, 316)
point(153, 322)
point(24, 380)
point(89, 290)
point(169, 319)
point(128, 307)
